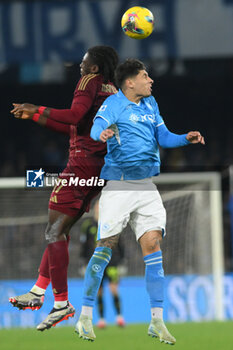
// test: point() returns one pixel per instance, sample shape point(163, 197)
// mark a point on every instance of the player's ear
point(129, 83)
point(94, 69)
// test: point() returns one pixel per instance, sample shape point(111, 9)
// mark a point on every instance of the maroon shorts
point(78, 184)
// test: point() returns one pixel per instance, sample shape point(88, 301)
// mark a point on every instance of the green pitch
point(190, 336)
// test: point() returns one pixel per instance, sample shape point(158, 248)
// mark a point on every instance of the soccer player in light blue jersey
point(130, 123)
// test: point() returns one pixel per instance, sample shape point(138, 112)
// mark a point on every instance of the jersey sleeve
point(98, 126)
point(83, 100)
point(56, 126)
point(167, 139)
point(106, 111)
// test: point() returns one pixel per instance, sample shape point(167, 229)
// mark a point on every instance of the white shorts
point(136, 202)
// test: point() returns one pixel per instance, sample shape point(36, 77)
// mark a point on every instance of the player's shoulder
point(87, 80)
point(150, 100)
point(112, 99)
point(151, 103)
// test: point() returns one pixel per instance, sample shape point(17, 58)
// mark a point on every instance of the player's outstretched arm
point(82, 102)
point(167, 139)
point(195, 137)
point(29, 111)
point(66, 116)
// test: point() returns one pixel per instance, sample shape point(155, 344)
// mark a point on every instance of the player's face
point(142, 84)
point(86, 66)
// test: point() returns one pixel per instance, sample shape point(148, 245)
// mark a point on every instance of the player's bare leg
point(150, 244)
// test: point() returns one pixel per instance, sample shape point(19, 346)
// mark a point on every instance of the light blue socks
point(154, 276)
point(94, 274)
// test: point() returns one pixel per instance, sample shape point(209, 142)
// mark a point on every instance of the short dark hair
point(106, 58)
point(127, 69)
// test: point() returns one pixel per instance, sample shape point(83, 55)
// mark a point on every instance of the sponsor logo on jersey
point(143, 118)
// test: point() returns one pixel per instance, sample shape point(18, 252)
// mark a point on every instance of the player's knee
point(151, 248)
point(150, 242)
point(110, 242)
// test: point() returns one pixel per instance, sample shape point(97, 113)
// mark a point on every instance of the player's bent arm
point(31, 112)
point(167, 139)
point(98, 127)
point(67, 116)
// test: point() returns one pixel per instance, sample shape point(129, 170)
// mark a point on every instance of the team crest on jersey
point(134, 118)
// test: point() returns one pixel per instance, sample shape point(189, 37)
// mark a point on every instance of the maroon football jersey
point(89, 95)
point(91, 85)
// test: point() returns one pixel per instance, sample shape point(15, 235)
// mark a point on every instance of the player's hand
point(106, 134)
point(195, 137)
point(24, 110)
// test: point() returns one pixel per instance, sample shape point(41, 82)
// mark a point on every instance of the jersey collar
point(125, 99)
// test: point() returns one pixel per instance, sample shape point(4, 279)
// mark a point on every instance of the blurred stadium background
point(190, 58)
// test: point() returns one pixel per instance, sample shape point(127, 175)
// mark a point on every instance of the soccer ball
point(137, 22)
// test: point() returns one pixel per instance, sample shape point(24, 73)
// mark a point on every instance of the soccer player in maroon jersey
point(86, 157)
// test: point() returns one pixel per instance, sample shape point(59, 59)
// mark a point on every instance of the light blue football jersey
point(133, 151)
